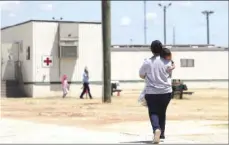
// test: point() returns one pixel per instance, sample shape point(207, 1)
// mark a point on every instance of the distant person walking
point(156, 71)
point(86, 88)
point(65, 85)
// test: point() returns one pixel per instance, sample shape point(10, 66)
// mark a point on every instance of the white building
point(73, 45)
point(198, 67)
point(31, 42)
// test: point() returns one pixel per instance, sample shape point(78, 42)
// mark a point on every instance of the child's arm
point(172, 67)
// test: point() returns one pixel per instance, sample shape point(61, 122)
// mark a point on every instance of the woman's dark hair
point(165, 52)
point(156, 47)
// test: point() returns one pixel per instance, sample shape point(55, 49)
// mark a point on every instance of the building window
point(28, 53)
point(187, 62)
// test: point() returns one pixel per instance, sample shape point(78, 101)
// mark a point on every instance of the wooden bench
point(188, 93)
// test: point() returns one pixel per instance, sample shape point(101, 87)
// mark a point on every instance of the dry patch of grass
point(92, 113)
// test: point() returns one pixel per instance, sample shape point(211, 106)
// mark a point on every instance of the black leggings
point(157, 106)
point(86, 88)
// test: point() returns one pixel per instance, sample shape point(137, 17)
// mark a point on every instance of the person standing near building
point(86, 88)
point(65, 85)
point(158, 90)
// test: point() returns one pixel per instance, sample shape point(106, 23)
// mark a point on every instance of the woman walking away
point(158, 89)
point(166, 54)
point(86, 88)
point(65, 85)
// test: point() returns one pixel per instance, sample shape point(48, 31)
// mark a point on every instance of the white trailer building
point(197, 66)
point(38, 53)
point(69, 45)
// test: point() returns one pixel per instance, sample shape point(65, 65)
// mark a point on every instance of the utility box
point(68, 40)
point(68, 48)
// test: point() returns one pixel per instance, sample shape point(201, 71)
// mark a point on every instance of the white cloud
point(125, 21)
point(151, 16)
point(46, 7)
point(9, 5)
point(185, 3)
point(163, 2)
point(9, 2)
point(12, 15)
point(17, 2)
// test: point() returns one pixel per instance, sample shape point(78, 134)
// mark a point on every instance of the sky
point(127, 18)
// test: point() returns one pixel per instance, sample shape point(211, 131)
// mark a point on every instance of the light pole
point(207, 14)
point(164, 10)
point(131, 42)
point(174, 35)
point(145, 24)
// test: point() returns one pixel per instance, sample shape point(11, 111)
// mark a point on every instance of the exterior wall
point(90, 51)
point(7, 64)
point(125, 65)
point(210, 71)
point(46, 43)
point(22, 33)
point(212, 65)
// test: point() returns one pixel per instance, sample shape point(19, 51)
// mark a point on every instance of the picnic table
point(115, 87)
point(178, 89)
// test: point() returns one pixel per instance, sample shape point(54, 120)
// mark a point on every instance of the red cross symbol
point(47, 61)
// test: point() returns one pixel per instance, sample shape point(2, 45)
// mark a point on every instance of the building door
point(8, 56)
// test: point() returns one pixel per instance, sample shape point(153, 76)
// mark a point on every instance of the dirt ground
point(202, 105)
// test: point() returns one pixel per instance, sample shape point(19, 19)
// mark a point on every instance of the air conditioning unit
point(68, 47)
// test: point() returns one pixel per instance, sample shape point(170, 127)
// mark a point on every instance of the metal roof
point(167, 45)
point(50, 21)
point(129, 48)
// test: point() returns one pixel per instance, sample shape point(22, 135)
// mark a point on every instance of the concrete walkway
point(180, 131)
point(15, 131)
